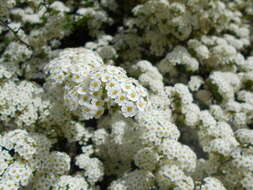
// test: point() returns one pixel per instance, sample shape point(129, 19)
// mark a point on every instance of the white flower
point(141, 104)
point(127, 87)
point(114, 92)
point(129, 109)
point(132, 95)
point(105, 77)
point(121, 99)
point(94, 85)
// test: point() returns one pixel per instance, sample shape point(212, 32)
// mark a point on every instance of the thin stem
point(15, 33)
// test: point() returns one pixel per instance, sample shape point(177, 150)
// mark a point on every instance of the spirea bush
point(126, 95)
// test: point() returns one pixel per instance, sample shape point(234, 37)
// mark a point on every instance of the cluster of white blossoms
point(27, 162)
point(22, 103)
point(19, 150)
point(151, 142)
point(163, 24)
point(126, 95)
point(146, 74)
point(104, 48)
point(71, 183)
point(89, 87)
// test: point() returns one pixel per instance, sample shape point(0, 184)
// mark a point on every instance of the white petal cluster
point(151, 142)
point(211, 183)
point(178, 57)
point(172, 176)
point(91, 87)
point(225, 84)
point(71, 183)
point(14, 54)
point(17, 168)
point(16, 175)
point(182, 155)
point(19, 141)
point(244, 136)
point(118, 147)
point(126, 95)
point(93, 16)
point(136, 180)
point(93, 168)
point(150, 77)
point(182, 101)
point(24, 103)
point(146, 158)
point(217, 138)
point(163, 22)
point(104, 48)
point(155, 128)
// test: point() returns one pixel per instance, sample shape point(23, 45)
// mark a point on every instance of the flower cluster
point(91, 87)
point(71, 183)
point(17, 169)
point(126, 95)
point(150, 77)
point(23, 103)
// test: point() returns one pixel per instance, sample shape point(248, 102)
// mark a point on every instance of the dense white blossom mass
point(126, 95)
